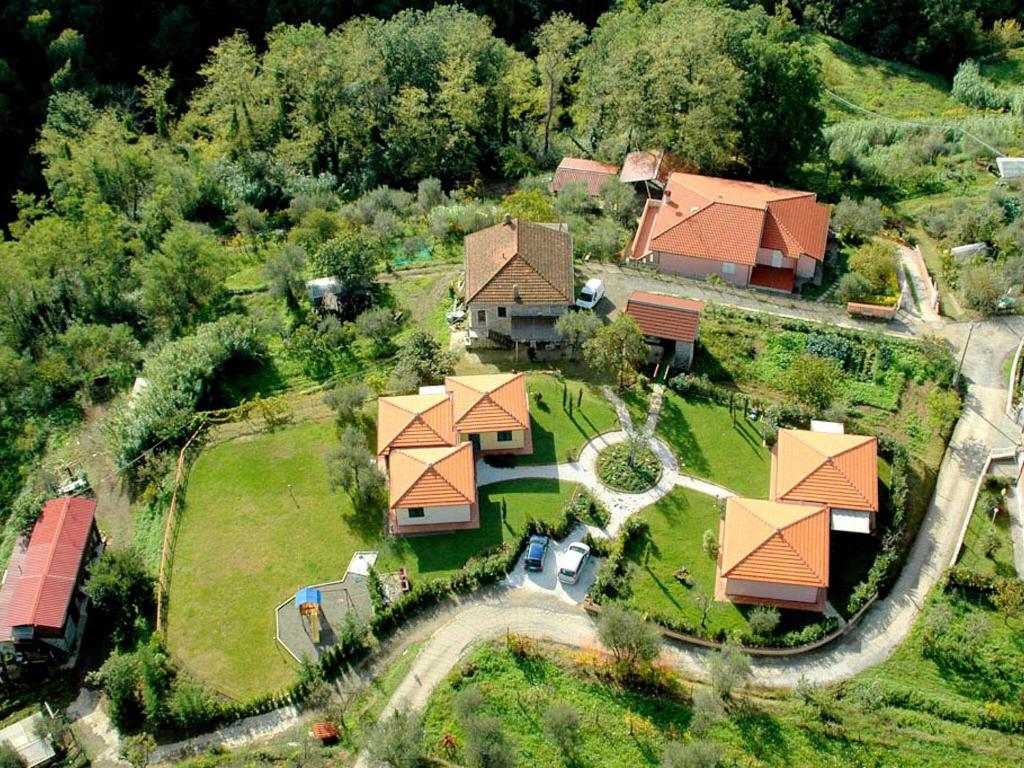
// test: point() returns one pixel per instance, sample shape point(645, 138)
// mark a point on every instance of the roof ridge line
point(846, 477)
point(65, 508)
point(431, 467)
point(533, 266)
point(794, 549)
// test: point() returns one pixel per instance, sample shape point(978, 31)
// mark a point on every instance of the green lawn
point(558, 434)
point(710, 444)
point(245, 545)
point(890, 88)
point(678, 522)
point(1000, 562)
point(623, 729)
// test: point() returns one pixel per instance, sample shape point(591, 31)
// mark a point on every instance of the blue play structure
point(307, 596)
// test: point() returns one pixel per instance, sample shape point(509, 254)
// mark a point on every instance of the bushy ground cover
point(621, 727)
point(259, 522)
point(615, 468)
point(988, 548)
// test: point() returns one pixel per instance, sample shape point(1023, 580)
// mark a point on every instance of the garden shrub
point(179, 375)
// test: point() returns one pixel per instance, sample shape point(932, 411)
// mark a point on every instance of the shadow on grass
point(761, 733)
point(450, 551)
point(676, 429)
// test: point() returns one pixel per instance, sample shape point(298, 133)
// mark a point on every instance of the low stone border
point(681, 637)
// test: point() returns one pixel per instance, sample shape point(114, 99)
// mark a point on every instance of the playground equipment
point(308, 600)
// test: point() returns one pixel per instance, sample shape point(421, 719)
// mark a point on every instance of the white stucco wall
point(791, 592)
point(433, 515)
point(489, 440)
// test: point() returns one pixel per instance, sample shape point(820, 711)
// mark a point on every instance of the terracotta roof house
point(432, 490)
point(519, 280)
point(773, 553)
point(493, 412)
point(748, 234)
point(414, 421)
point(42, 609)
point(576, 170)
point(669, 322)
point(426, 445)
point(830, 468)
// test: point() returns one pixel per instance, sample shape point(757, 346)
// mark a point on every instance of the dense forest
point(100, 47)
point(148, 150)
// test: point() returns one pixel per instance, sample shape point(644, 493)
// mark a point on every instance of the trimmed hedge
point(896, 539)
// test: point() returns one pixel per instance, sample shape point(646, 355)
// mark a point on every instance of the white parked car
point(573, 561)
point(591, 293)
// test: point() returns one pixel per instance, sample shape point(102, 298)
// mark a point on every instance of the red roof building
point(576, 170)
point(670, 320)
point(746, 233)
point(38, 599)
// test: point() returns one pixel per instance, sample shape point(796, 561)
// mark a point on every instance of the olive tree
point(395, 741)
point(631, 640)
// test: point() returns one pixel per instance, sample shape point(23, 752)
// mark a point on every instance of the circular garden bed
point(615, 470)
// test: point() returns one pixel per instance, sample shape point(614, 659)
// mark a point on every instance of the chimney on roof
point(507, 220)
point(667, 195)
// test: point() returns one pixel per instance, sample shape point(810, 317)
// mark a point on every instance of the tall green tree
point(558, 42)
point(181, 282)
point(618, 347)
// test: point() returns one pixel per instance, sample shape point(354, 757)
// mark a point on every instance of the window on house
point(481, 316)
point(728, 268)
point(504, 437)
point(502, 312)
point(416, 512)
point(776, 259)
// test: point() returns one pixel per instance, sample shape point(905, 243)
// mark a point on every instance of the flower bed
point(615, 469)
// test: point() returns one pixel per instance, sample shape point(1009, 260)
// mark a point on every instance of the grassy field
point(710, 444)
point(247, 541)
point(678, 522)
point(623, 729)
point(1000, 562)
point(559, 433)
point(893, 89)
point(976, 665)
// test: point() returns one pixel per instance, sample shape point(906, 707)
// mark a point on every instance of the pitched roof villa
point(776, 552)
point(747, 233)
point(426, 445)
point(41, 609)
point(576, 170)
point(489, 402)
point(666, 317)
point(832, 468)
point(519, 261)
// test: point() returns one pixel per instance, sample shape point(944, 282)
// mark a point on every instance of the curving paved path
point(620, 504)
point(449, 632)
point(982, 427)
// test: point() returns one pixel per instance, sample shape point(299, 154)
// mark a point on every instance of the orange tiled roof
point(726, 220)
point(667, 317)
point(775, 542)
point(573, 170)
point(414, 421)
point(489, 403)
point(519, 262)
point(432, 477)
point(835, 469)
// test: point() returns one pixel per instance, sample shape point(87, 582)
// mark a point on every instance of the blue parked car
point(536, 551)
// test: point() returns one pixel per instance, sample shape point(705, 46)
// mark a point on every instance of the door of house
point(475, 440)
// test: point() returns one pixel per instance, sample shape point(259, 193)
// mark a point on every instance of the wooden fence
point(170, 529)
